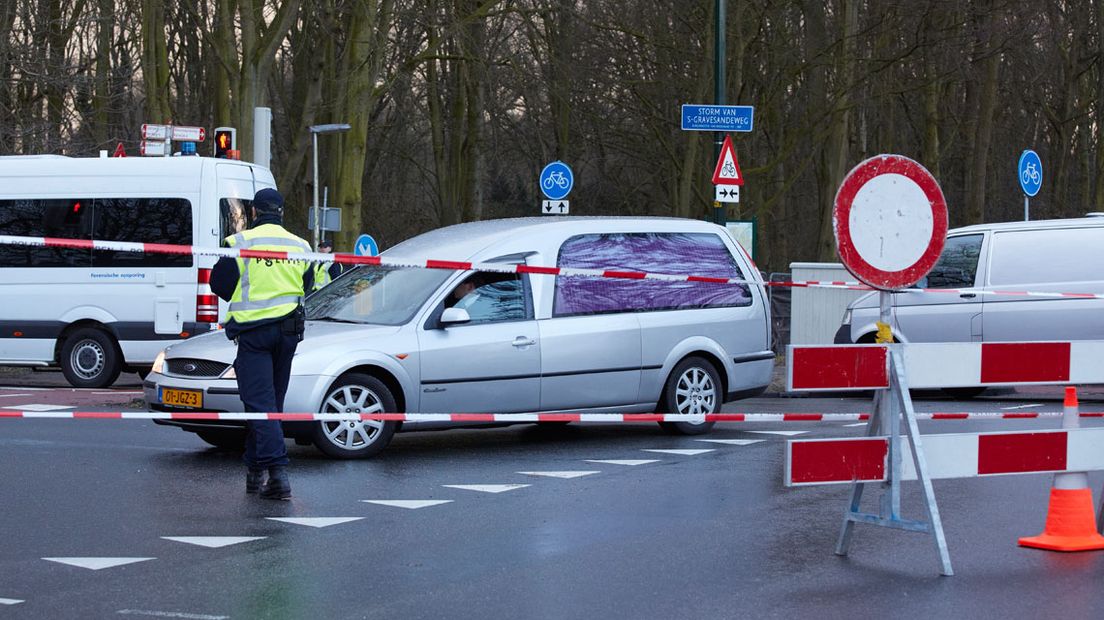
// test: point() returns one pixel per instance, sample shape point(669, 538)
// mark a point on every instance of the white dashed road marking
point(683, 452)
point(785, 433)
point(1022, 406)
point(97, 563)
point(733, 442)
point(36, 407)
point(629, 462)
point(212, 542)
point(559, 474)
point(10, 601)
point(12, 395)
point(411, 504)
point(856, 424)
point(487, 488)
point(315, 521)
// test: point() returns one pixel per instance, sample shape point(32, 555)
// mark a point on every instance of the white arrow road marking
point(559, 474)
point(786, 433)
point(683, 452)
point(629, 462)
point(39, 407)
point(97, 563)
point(10, 601)
point(733, 442)
point(411, 504)
point(213, 542)
point(487, 488)
point(169, 614)
point(315, 521)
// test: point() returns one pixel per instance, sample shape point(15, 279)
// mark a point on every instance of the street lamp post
point(316, 215)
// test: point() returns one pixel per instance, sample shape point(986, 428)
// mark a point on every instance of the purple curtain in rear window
point(701, 254)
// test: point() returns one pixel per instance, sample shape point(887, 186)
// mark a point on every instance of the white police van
point(97, 313)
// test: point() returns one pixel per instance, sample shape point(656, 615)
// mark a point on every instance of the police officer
point(266, 321)
point(324, 273)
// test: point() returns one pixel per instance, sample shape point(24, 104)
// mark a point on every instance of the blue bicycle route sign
point(1030, 172)
point(556, 180)
point(717, 117)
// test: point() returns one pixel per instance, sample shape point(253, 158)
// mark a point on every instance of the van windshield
point(376, 295)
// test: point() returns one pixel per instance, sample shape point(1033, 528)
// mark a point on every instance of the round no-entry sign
point(890, 221)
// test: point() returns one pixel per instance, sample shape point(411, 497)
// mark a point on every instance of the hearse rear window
point(702, 254)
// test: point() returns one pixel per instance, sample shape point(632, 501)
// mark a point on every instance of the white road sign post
point(890, 221)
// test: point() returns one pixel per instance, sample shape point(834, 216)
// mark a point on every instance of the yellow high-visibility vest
point(267, 288)
point(321, 275)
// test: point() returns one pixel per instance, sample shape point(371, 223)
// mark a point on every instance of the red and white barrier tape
point(520, 417)
point(352, 259)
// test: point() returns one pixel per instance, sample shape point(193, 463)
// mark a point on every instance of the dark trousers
point(263, 367)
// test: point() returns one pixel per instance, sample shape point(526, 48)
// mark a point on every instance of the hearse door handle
point(522, 341)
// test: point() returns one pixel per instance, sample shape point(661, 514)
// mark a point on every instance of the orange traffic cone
point(1071, 522)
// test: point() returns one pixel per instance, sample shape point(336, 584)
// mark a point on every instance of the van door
point(490, 364)
point(946, 317)
point(167, 318)
point(1058, 260)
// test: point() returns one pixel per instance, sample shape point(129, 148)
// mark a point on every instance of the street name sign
point(717, 117)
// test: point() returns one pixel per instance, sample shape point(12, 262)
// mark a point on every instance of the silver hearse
point(386, 339)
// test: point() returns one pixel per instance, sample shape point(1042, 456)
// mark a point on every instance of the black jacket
point(225, 276)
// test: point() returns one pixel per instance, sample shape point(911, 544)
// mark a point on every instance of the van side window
point(235, 215)
point(702, 254)
point(142, 220)
point(68, 218)
point(491, 298)
point(1045, 256)
point(957, 265)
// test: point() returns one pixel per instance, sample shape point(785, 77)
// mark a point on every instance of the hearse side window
point(1044, 256)
point(234, 216)
point(142, 220)
point(68, 218)
point(491, 298)
point(669, 253)
point(957, 265)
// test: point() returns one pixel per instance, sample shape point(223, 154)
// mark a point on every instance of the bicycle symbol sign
point(556, 180)
point(1030, 172)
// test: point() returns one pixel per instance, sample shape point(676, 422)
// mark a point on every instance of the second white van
point(94, 313)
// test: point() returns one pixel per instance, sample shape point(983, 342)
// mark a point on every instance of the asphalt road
point(687, 535)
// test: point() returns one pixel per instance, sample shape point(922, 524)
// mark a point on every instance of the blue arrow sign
point(1030, 172)
point(717, 117)
point(365, 246)
point(556, 180)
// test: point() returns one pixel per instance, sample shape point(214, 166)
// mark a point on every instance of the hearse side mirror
point(454, 316)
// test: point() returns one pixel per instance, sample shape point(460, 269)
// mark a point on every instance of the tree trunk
point(838, 143)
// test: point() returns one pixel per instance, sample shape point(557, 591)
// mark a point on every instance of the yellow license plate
point(182, 398)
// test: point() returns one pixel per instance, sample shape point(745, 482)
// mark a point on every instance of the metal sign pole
point(1027, 201)
point(889, 405)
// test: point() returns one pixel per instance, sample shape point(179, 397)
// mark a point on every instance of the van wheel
point(963, 393)
point(90, 359)
point(355, 393)
point(693, 387)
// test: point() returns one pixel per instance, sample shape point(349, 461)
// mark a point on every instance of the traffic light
point(226, 140)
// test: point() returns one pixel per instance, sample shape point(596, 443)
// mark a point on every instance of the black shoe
point(253, 480)
point(278, 487)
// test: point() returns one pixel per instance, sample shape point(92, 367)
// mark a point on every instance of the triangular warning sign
point(727, 171)
point(120, 151)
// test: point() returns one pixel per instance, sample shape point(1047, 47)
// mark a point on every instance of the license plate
point(182, 398)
